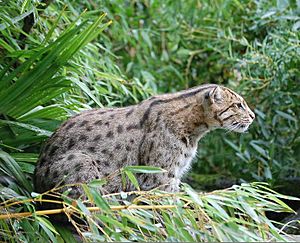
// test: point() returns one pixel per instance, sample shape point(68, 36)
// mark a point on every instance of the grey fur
point(162, 131)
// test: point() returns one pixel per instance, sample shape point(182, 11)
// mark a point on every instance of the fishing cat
point(161, 131)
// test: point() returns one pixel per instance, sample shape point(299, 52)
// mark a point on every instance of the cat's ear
point(215, 95)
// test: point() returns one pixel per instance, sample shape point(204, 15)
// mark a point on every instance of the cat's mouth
point(243, 128)
point(239, 127)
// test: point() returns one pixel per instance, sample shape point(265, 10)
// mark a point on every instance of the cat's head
point(228, 110)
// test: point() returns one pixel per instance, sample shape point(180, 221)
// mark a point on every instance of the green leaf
point(97, 183)
point(86, 90)
point(195, 197)
point(144, 169)
point(109, 220)
point(28, 157)
point(47, 223)
point(221, 212)
point(48, 112)
point(48, 228)
point(286, 116)
point(15, 100)
point(39, 131)
point(27, 167)
point(12, 168)
point(132, 178)
point(83, 208)
point(16, 19)
point(65, 233)
point(250, 211)
point(146, 38)
point(232, 145)
point(99, 200)
point(259, 149)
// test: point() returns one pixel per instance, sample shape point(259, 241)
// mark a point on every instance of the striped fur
point(162, 131)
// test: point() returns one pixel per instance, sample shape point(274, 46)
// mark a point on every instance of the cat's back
point(87, 129)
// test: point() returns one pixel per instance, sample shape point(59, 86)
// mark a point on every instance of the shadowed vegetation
point(79, 55)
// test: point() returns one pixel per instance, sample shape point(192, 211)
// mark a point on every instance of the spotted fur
point(162, 131)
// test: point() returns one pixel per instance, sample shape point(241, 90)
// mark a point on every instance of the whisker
point(235, 127)
point(232, 127)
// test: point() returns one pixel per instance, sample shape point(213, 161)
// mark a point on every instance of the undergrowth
point(84, 54)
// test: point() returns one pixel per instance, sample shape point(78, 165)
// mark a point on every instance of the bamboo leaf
point(144, 169)
point(48, 228)
point(39, 131)
point(99, 201)
point(286, 116)
point(11, 167)
point(132, 178)
point(97, 183)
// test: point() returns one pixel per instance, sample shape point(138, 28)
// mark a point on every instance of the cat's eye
point(240, 106)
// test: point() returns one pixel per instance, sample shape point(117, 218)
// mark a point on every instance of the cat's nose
point(252, 115)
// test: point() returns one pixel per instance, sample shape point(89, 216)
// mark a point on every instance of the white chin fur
point(242, 129)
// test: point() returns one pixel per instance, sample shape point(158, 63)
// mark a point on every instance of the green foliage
point(268, 76)
point(250, 46)
point(74, 60)
point(235, 214)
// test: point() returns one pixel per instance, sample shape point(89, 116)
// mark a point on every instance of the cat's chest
point(184, 161)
